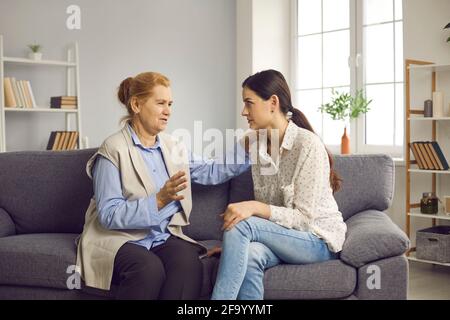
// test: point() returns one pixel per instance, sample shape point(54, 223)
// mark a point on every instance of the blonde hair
point(141, 87)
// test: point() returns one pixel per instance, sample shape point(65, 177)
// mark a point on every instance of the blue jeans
point(256, 244)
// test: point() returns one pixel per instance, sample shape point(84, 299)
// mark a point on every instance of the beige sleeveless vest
point(97, 246)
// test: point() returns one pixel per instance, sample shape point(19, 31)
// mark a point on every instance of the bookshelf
point(416, 114)
point(71, 67)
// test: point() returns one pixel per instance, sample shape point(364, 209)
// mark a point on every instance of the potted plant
point(35, 53)
point(344, 107)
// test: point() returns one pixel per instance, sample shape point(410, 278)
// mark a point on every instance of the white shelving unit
point(412, 257)
point(71, 66)
point(412, 115)
point(440, 215)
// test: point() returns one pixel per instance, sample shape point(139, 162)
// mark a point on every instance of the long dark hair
point(271, 82)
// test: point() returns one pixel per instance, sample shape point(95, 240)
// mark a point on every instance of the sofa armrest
point(371, 235)
point(7, 226)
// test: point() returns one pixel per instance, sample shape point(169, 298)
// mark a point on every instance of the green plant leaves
point(344, 105)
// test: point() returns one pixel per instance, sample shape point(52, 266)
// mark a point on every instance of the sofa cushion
point(41, 260)
point(368, 183)
point(37, 259)
point(371, 235)
point(208, 202)
point(56, 186)
point(326, 280)
point(241, 187)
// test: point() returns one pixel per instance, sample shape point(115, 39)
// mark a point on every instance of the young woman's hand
point(236, 212)
point(168, 192)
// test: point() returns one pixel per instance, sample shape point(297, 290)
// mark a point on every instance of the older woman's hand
point(168, 192)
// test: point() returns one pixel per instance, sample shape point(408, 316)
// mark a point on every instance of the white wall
point(264, 41)
point(424, 39)
point(193, 42)
point(244, 53)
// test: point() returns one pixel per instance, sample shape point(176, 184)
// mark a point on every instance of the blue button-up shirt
point(116, 212)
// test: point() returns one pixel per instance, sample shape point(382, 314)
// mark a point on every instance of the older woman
point(132, 234)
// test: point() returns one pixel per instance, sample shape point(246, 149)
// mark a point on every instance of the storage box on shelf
point(434, 244)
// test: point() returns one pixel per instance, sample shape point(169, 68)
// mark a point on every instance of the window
point(348, 45)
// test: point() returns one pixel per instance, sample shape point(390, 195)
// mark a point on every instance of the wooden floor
point(428, 282)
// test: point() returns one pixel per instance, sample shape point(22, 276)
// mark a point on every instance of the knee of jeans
point(257, 257)
point(248, 225)
point(241, 229)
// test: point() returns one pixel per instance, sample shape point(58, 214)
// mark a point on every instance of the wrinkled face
point(259, 112)
point(154, 113)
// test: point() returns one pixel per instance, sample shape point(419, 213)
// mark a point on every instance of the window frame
point(357, 79)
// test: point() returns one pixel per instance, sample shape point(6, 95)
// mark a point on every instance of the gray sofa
point(44, 195)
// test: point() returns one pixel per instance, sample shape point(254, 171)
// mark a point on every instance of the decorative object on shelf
point(438, 104)
point(447, 204)
point(428, 109)
point(344, 107)
point(35, 53)
point(429, 203)
point(447, 27)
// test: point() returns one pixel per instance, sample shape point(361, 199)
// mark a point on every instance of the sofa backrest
point(44, 191)
point(208, 202)
point(368, 183)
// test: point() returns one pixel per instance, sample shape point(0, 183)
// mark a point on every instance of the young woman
point(132, 234)
point(294, 218)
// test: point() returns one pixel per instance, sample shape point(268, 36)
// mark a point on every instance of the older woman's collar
point(138, 142)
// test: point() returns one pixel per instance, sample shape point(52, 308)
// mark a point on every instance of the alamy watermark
point(261, 147)
point(374, 280)
point(73, 21)
point(74, 279)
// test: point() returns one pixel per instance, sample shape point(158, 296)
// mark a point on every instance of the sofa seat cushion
point(371, 235)
point(325, 280)
point(37, 259)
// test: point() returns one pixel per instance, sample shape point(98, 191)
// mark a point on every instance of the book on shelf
point(18, 93)
point(420, 158)
point(434, 160)
point(440, 155)
point(10, 99)
point(423, 152)
point(63, 140)
point(63, 102)
point(415, 152)
point(428, 155)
